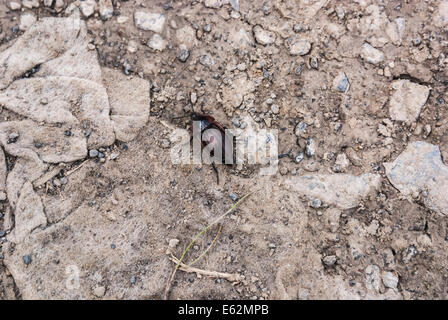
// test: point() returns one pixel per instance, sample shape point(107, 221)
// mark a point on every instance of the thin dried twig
point(232, 277)
point(76, 169)
point(209, 247)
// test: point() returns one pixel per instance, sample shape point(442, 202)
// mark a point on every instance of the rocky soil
point(91, 206)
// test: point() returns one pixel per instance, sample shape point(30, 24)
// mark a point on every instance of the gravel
point(310, 147)
point(329, 260)
point(93, 153)
point(183, 55)
point(233, 196)
point(371, 54)
point(300, 156)
point(316, 203)
point(300, 128)
point(27, 259)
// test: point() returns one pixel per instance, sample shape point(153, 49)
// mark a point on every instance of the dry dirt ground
point(349, 85)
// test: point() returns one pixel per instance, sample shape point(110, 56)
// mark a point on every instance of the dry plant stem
point(168, 285)
point(77, 168)
point(209, 247)
point(232, 277)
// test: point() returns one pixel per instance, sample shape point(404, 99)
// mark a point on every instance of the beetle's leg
point(217, 173)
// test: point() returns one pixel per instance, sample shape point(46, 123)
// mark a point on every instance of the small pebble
point(93, 153)
point(99, 291)
point(113, 156)
point(310, 148)
point(173, 243)
point(329, 260)
point(183, 55)
point(314, 63)
point(299, 157)
point(207, 28)
point(300, 128)
point(27, 259)
point(316, 203)
point(127, 68)
point(13, 137)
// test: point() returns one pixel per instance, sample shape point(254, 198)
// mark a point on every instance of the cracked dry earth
point(91, 203)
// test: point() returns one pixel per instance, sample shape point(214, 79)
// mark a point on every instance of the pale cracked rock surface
point(341, 190)
point(149, 21)
point(407, 101)
point(419, 169)
point(68, 106)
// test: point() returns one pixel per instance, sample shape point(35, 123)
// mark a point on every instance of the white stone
point(420, 169)
point(407, 101)
point(106, 9)
point(371, 54)
point(329, 260)
point(263, 36)
point(342, 162)
point(390, 280)
point(157, 43)
point(99, 291)
point(149, 21)
point(30, 4)
point(373, 279)
point(132, 46)
point(215, 3)
point(59, 5)
point(14, 5)
point(299, 47)
point(122, 19)
point(26, 21)
point(173, 243)
point(341, 83)
point(87, 7)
